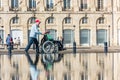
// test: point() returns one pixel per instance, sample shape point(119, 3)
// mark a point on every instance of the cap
point(37, 20)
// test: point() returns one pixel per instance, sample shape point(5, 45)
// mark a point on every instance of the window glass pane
point(67, 4)
point(100, 4)
point(83, 4)
point(68, 36)
point(84, 20)
point(15, 20)
point(67, 20)
point(14, 3)
point(50, 20)
point(85, 36)
point(32, 3)
point(32, 20)
point(49, 3)
point(1, 36)
point(101, 36)
point(101, 20)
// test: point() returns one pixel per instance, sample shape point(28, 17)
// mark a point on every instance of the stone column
point(23, 5)
point(6, 5)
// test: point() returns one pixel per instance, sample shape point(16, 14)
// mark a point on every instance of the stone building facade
point(89, 23)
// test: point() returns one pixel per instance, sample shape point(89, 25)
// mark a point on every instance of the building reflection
point(85, 66)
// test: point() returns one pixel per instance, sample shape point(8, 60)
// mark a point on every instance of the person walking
point(33, 36)
point(9, 42)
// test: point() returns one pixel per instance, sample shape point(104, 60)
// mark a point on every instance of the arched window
point(85, 37)
point(14, 3)
point(32, 20)
point(101, 36)
point(32, 3)
point(50, 20)
point(84, 20)
point(15, 20)
point(17, 34)
point(101, 20)
point(67, 20)
point(68, 36)
point(67, 4)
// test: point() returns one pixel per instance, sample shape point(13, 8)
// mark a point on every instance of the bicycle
point(50, 49)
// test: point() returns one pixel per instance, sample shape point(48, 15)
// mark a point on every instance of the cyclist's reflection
point(34, 72)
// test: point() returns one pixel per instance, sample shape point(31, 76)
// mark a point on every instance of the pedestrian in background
point(9, 42)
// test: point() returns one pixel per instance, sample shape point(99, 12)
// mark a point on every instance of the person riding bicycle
point(33, 36)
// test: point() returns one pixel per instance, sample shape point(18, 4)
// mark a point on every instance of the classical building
point(89, 23)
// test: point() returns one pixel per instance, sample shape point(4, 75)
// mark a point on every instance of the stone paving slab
point(70, 50)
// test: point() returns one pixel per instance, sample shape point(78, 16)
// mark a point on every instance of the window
point(68, 36)
point(53, 33)
point(50, 20)
point(83, 4)
point(49, 4)
point(85, 37)
point(67, 4)
point(15, 20)
point(101, 36)
point(84, 20)
point(100, 4)
point(67, 20)
point(101, 20)
point(14, 3)
point(32, 20)
point(2, 36)
point(32, 3)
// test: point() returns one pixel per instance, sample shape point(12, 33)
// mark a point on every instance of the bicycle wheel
point(47, 58)
point(48, 47)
